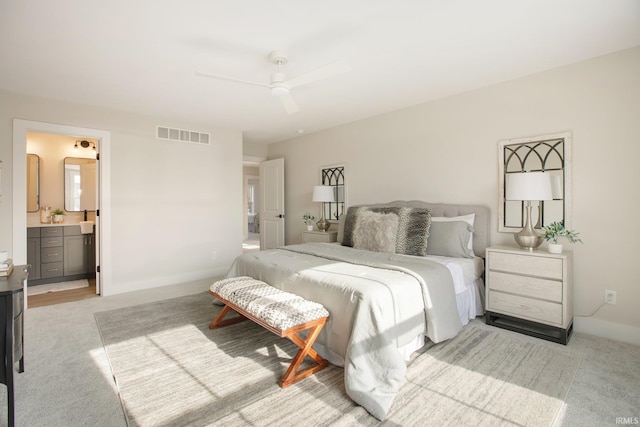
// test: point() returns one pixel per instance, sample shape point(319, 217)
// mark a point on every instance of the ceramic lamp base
point(323, 224)
point(529, 242)
point(528, 238)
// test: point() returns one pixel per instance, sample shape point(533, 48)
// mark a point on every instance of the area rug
point(57, 287)
point(170, 369)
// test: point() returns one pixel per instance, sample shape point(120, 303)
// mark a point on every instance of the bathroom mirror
point(33, 183)
point(79, 184)
point(545, 153)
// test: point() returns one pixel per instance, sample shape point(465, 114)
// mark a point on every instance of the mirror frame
point(64, 182)
point(335, 176)
point(37, 183)
point(511, 146)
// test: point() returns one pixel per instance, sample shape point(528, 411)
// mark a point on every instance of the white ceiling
point(141, 55)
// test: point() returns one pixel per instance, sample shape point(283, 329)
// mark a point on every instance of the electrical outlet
point(609, 296)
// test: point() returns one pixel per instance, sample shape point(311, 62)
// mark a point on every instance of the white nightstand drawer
point(533, 309)
point(534, 287)
point(523, 264)
point(319, 236)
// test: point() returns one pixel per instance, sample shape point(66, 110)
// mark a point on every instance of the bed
point(400, 273)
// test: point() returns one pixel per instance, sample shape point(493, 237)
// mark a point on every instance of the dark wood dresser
point(11, 335)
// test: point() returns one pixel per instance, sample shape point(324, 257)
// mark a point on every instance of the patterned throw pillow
point(413, 227)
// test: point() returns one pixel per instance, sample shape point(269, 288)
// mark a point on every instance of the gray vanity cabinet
point(57, 254)
point(33, 252)
point(79, 252)
point(50, 252)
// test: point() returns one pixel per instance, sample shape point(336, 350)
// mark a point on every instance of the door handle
point(280, 216)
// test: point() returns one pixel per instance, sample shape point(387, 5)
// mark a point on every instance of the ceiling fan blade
point(216, 76)
point(329, 70)
point(289, 104)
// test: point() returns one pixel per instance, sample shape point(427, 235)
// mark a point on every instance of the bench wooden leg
point(218, 322)
point(292, 375)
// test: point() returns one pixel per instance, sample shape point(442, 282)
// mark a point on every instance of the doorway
point(252, 224)
point(21, 128)
point(64, 180)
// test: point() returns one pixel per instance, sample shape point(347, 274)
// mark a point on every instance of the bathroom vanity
point(58, 253)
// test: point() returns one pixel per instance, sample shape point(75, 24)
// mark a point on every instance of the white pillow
point(469, 219)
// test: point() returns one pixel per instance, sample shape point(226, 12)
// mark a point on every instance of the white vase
point(310, 227)
point(555, 248)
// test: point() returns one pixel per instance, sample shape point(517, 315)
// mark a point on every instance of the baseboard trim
point(157, 282)
point(602, 328)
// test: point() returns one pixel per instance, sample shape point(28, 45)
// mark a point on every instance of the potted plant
point(308, 219)
point(554, 231)
point(58, 215)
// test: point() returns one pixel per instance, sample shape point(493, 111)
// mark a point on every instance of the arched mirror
point(335, 176)
point(33, 183)
point(546, 153)
point(79, 184)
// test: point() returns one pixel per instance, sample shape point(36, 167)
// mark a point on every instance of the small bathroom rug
point(56, 287)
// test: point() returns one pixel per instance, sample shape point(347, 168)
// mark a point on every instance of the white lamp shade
point(323, 193)
point(529, 186)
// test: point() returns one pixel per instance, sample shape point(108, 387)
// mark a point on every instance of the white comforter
point(378, 302)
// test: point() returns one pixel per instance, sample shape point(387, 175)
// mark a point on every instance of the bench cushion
point(281, 310)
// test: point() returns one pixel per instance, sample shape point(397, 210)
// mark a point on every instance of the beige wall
point(176, 208)
point(254, 151)
point(446, 151)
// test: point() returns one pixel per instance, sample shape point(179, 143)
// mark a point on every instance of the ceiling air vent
point(181, 135)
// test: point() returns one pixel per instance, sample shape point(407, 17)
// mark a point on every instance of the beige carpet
point(172, 370)
point(57, 287)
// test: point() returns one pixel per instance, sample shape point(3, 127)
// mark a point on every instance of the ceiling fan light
point(279, 90)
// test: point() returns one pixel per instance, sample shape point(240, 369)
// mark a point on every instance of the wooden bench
point(282, 313)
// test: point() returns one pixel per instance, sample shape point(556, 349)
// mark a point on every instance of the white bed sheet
point(463, 270)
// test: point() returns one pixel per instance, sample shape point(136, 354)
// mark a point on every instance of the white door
point(97, 227)
point(271, 204)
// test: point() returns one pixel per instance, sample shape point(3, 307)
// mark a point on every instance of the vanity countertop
point(61, 224)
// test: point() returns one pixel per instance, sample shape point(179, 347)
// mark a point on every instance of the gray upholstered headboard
point(481, 223)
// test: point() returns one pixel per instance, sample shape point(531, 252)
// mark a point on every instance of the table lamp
point(323, 194)
point(529, 186)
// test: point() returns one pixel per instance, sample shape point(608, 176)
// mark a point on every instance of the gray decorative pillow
point(450, 238)
point(413, 230)
point(413, 227)
point(375, 231)
point(349, 224)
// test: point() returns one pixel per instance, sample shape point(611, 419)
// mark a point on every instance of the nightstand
point(530, 292)
point(320, 236)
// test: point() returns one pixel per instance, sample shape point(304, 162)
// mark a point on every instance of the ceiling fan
point(280, 86)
